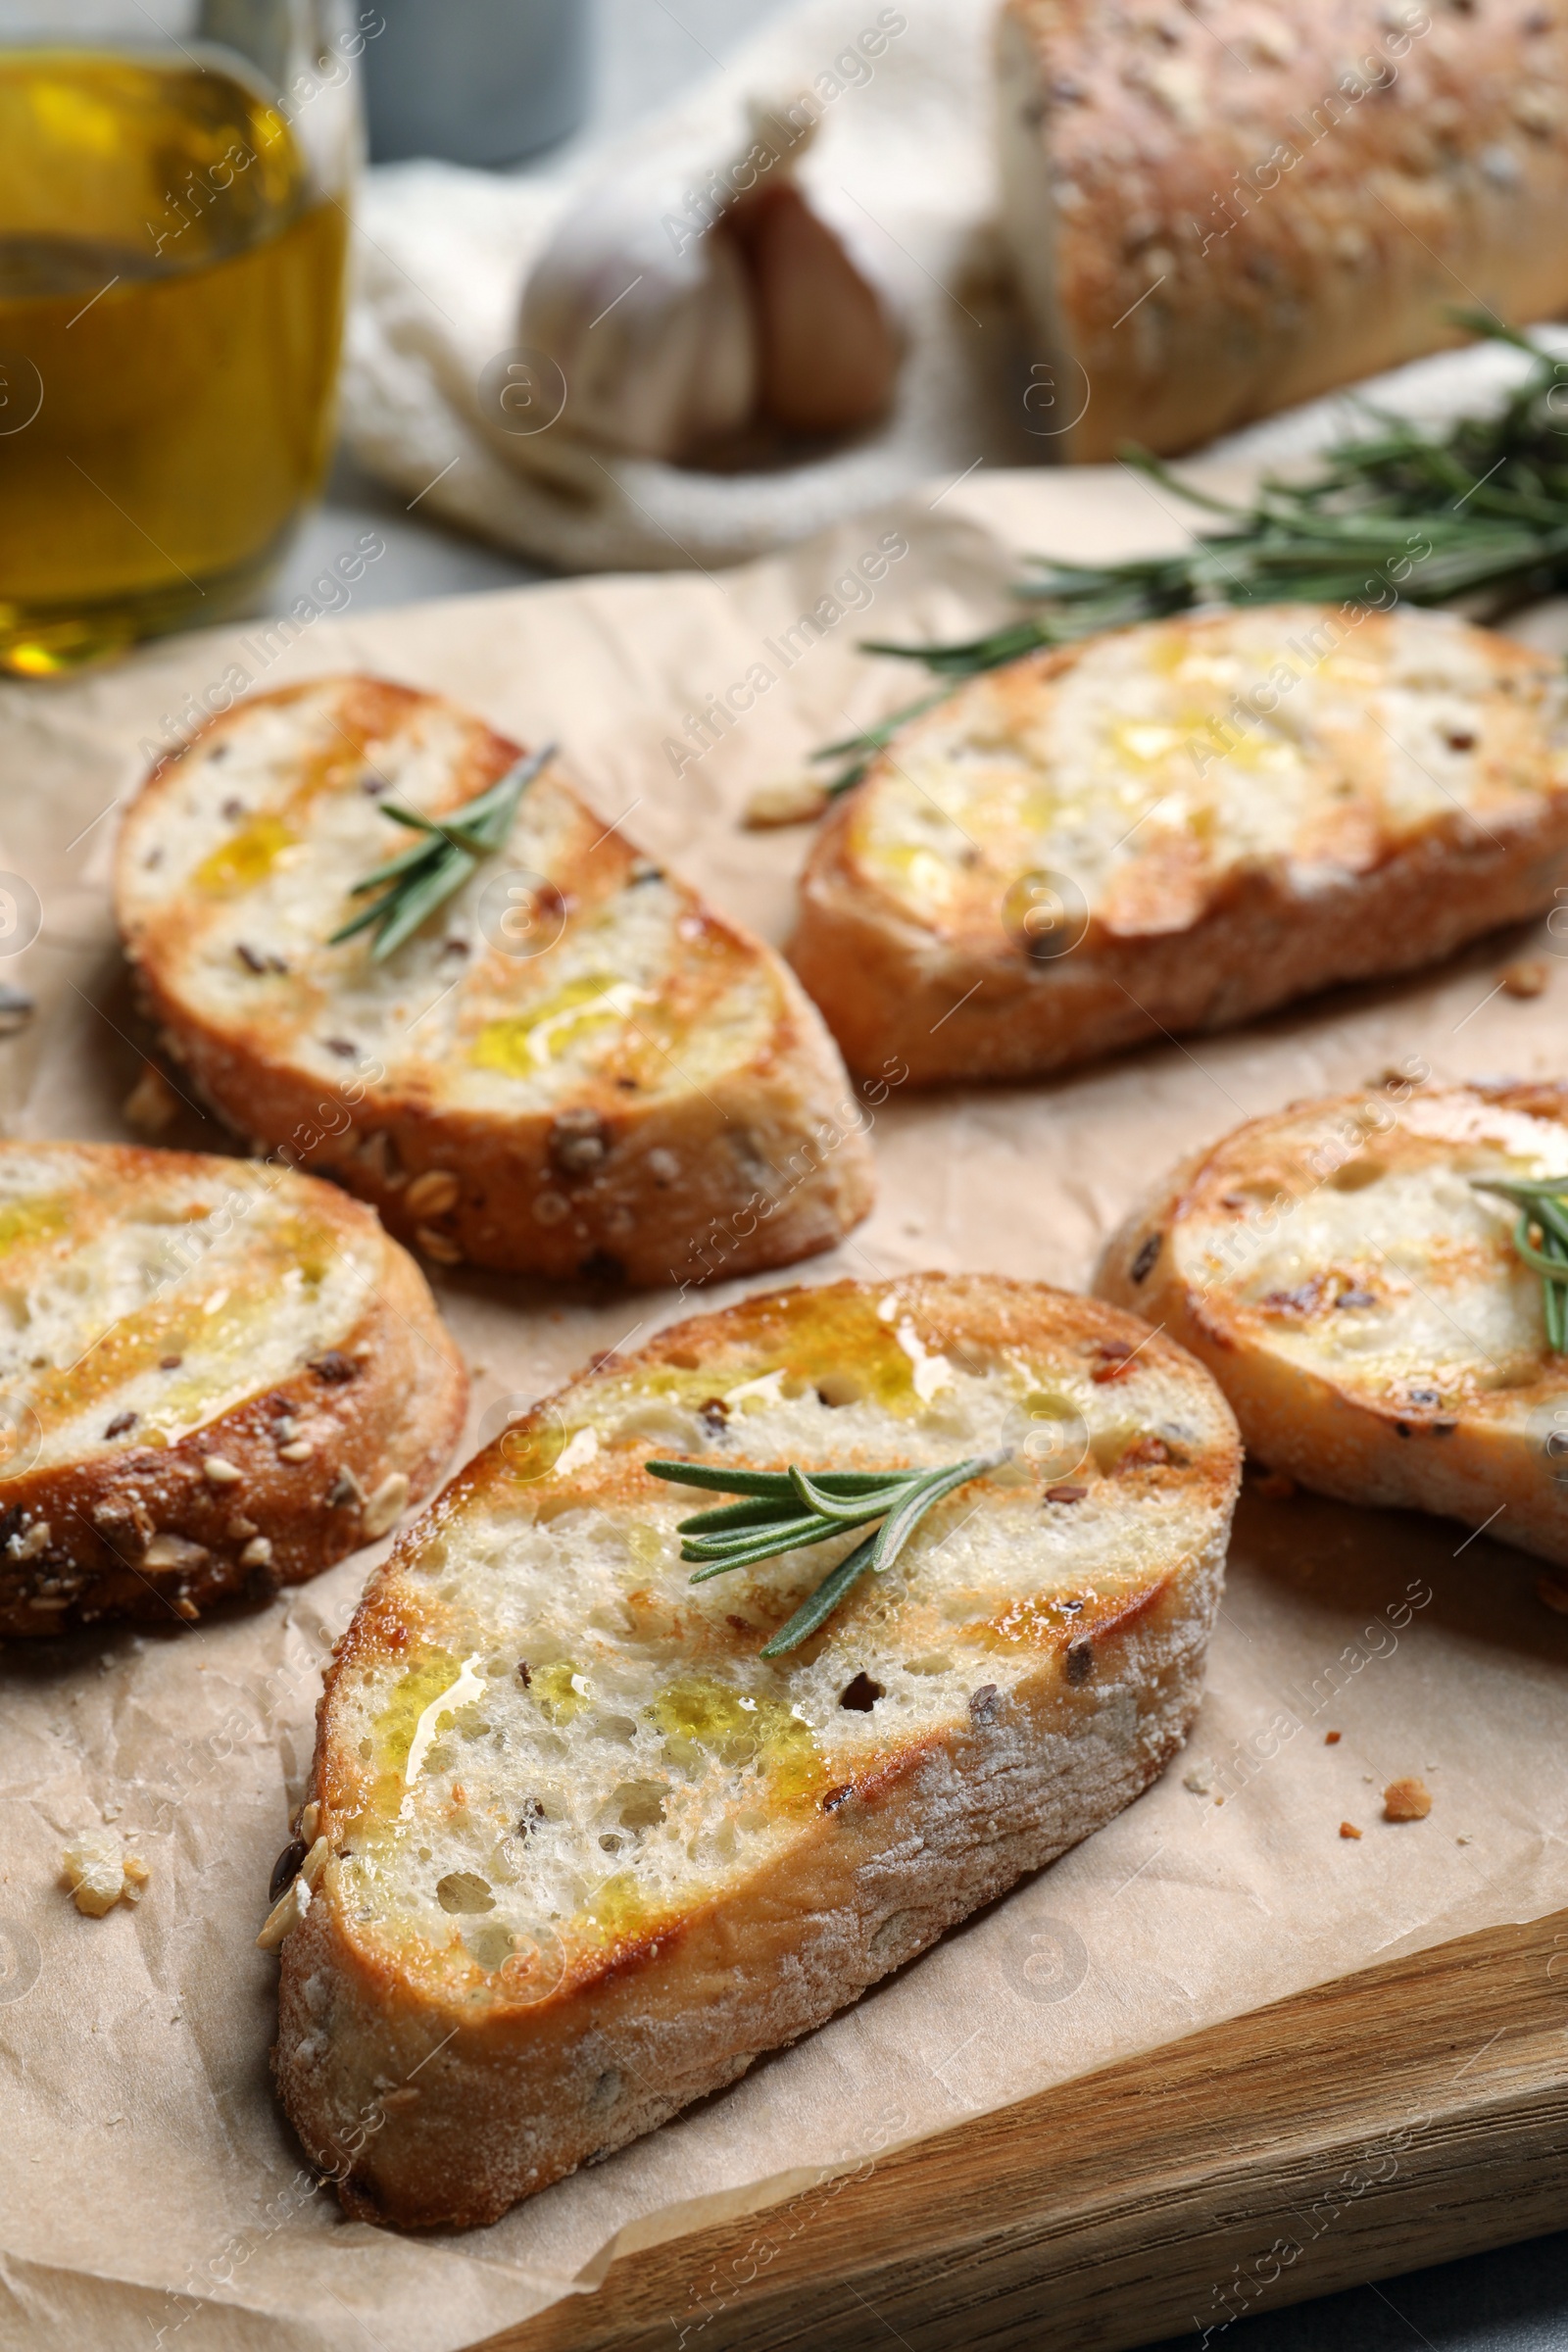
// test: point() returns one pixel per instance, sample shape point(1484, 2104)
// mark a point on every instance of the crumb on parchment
point(1530, 976)
point(1347, 1829)
point(796, 801)
point(1406, 1800)
point(99, 1871)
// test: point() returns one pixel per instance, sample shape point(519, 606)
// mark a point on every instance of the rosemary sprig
point(1480, 507)
point(784, 1510)
point(1542, 1203)
point(421, 879)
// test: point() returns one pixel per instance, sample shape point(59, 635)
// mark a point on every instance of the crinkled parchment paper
point(153, 2191)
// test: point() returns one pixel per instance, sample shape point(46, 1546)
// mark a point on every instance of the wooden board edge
point(1411, 2113)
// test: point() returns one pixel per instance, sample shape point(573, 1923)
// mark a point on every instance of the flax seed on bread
point(215, 1378)
point(578, 1851)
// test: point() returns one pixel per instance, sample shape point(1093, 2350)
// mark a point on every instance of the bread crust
point(1213, 220)
point(1203, 945)
point(1470, 1433)
point(431, 2106)
point(143, 1532)
point(753, 1163)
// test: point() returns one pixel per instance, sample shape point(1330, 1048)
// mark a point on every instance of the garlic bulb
point(684, 305)
point(657, 343)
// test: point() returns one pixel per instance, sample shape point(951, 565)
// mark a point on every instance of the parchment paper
point(153, 2192)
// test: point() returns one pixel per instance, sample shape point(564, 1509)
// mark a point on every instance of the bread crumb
point(1331, 1738)
point(1276, 1486)
point(1406, 1800)
point(152, 1104)
point(1347, 1829)
point(796, 800)
point(1199, 1780)
point(1464, 1839)
point(1552, 1593)
point(1529, 977)
point(99, 1871)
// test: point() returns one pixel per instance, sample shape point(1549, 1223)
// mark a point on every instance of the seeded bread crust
point(1365, 1309)
point(103, 1526)
point(886, 1793)
point(1217, 216)
point(1399, 788)
point(621, 1086)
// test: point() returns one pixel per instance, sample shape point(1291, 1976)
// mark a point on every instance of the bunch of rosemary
point(1479, 509)
point(788, 1509)
point(1542, 1205)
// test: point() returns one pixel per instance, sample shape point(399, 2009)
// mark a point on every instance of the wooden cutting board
point(1408, 2114)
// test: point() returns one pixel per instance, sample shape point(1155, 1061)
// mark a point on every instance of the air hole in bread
point(639, 1804)
point(490, 1946)
point(464, 1890)
point(860, 1695)
point(841, 1388)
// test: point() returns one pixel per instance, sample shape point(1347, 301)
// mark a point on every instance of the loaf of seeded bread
point(1217, 212)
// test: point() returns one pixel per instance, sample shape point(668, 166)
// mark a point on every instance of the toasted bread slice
point(215, 1377)
point(577, 1851)
point(1179, 827)
point(591, 1075)
point(1363, 1307)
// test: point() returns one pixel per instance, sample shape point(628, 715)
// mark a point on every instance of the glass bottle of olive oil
point(171, 310)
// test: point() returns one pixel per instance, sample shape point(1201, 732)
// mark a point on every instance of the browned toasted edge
point(434, 2152)
point(771, 1164)
point(393, 1391)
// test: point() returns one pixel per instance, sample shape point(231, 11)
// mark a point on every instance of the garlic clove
point(828, 353)
point(658, 345)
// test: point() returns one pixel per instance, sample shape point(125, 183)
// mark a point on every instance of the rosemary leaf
point(765, 1482)
point(820, 1605)
point(851, 1510)
point(802, 1539)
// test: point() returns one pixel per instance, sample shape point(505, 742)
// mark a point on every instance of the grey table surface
point(1514, 2300)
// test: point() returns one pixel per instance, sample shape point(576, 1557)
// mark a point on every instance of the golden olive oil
point(171, 310)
